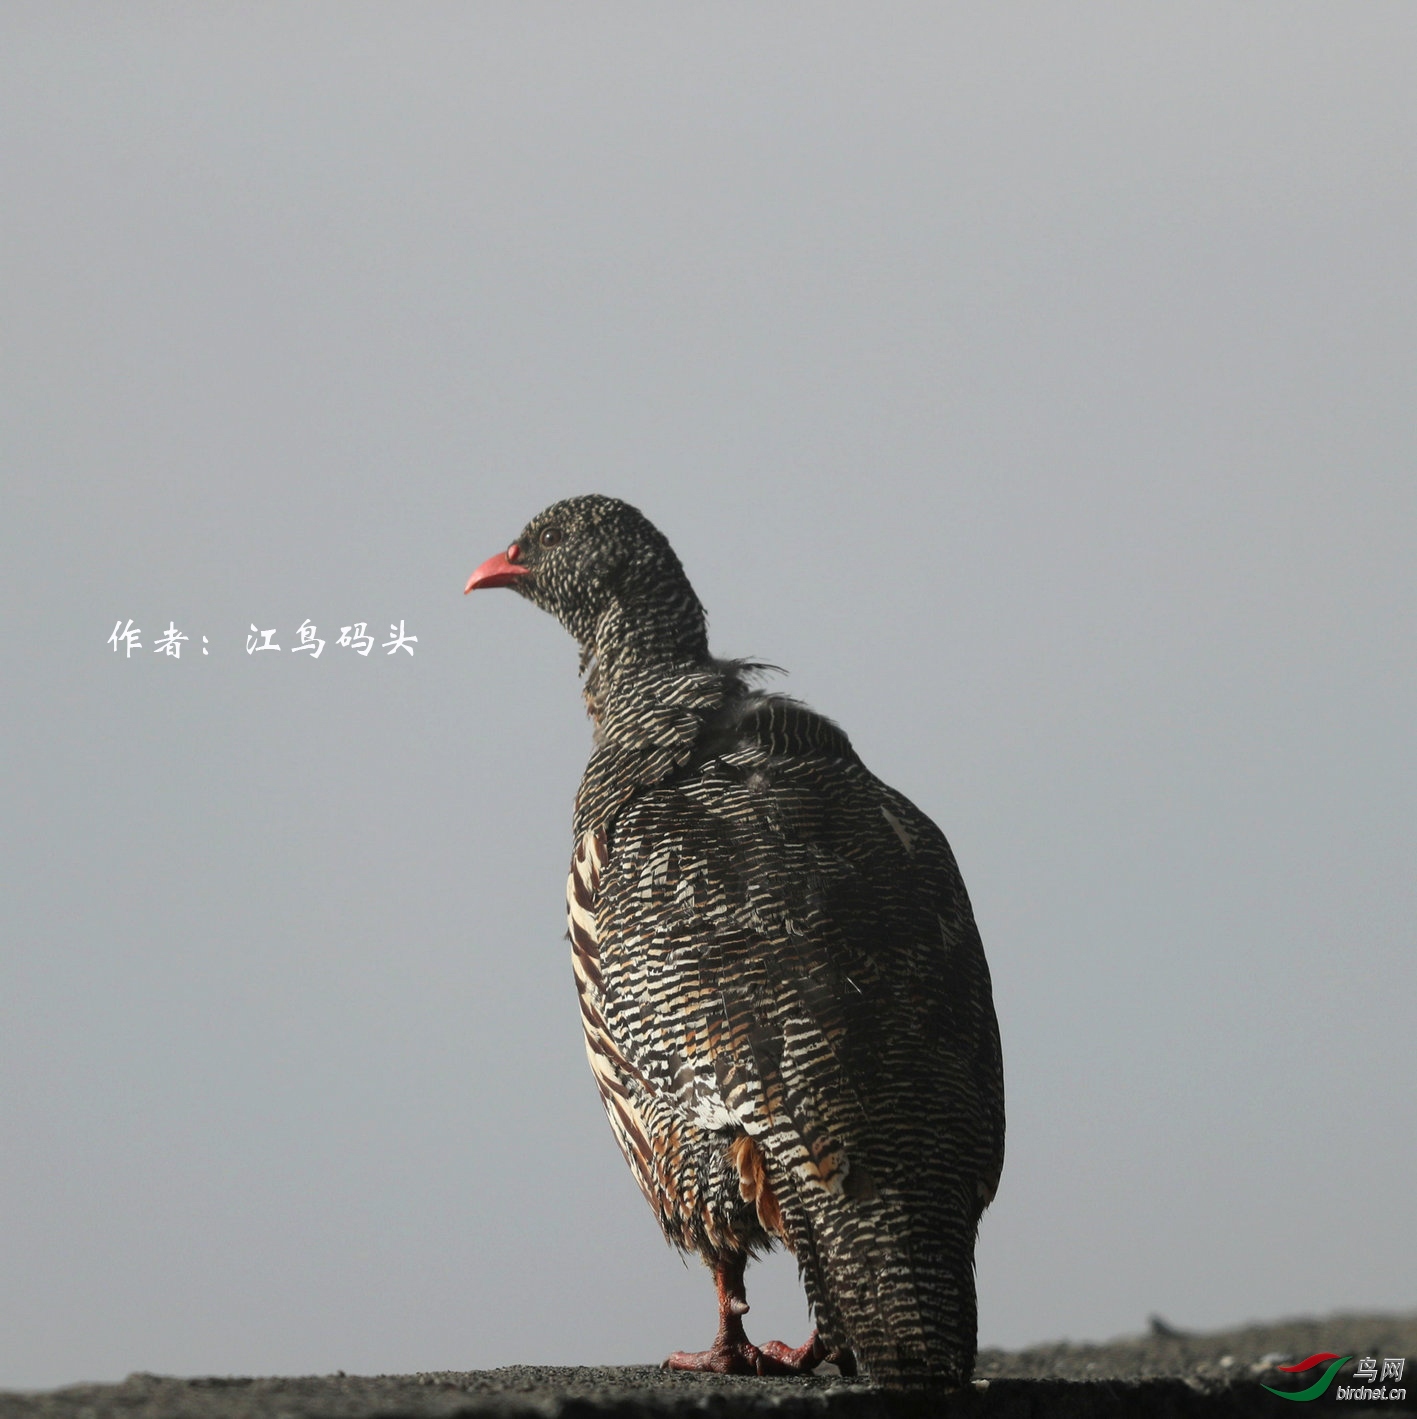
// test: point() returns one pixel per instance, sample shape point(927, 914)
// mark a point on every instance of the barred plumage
point(785, 1000)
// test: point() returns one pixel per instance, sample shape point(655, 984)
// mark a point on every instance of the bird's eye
point(550, 536)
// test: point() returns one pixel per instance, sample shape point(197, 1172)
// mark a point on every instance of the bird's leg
point(732, 1353)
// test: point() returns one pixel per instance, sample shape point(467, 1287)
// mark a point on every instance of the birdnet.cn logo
point(1366, 1371)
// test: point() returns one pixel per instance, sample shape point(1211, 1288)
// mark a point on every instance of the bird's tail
point(892, 1277)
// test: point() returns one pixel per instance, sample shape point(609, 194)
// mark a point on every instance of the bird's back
point(786, 950)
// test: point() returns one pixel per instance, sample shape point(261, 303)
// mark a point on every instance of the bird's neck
point(665, 629)
point(653, 699)
point(642, 655)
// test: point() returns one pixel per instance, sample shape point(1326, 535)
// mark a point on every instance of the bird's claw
point(742, 1357)
point(805, 1358)
point(800, 1361)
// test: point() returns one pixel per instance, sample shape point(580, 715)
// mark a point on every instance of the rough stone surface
point(1166, 1374)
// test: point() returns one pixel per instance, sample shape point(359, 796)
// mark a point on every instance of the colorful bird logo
point(1334, 1362)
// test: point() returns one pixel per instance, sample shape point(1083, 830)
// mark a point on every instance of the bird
point(785, 1000)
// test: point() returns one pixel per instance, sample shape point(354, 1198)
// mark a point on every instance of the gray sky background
point(1035, 383)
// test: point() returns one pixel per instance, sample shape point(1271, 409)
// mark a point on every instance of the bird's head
point(609, 576)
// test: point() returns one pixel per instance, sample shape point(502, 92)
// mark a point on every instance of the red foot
point(732, 1353)
point(805, 1358)
point(737, 1355)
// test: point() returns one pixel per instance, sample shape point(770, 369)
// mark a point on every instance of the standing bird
point(786, 1004)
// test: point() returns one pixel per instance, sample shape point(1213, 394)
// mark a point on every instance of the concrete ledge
point(629, 1393)
point(1166, 1374)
